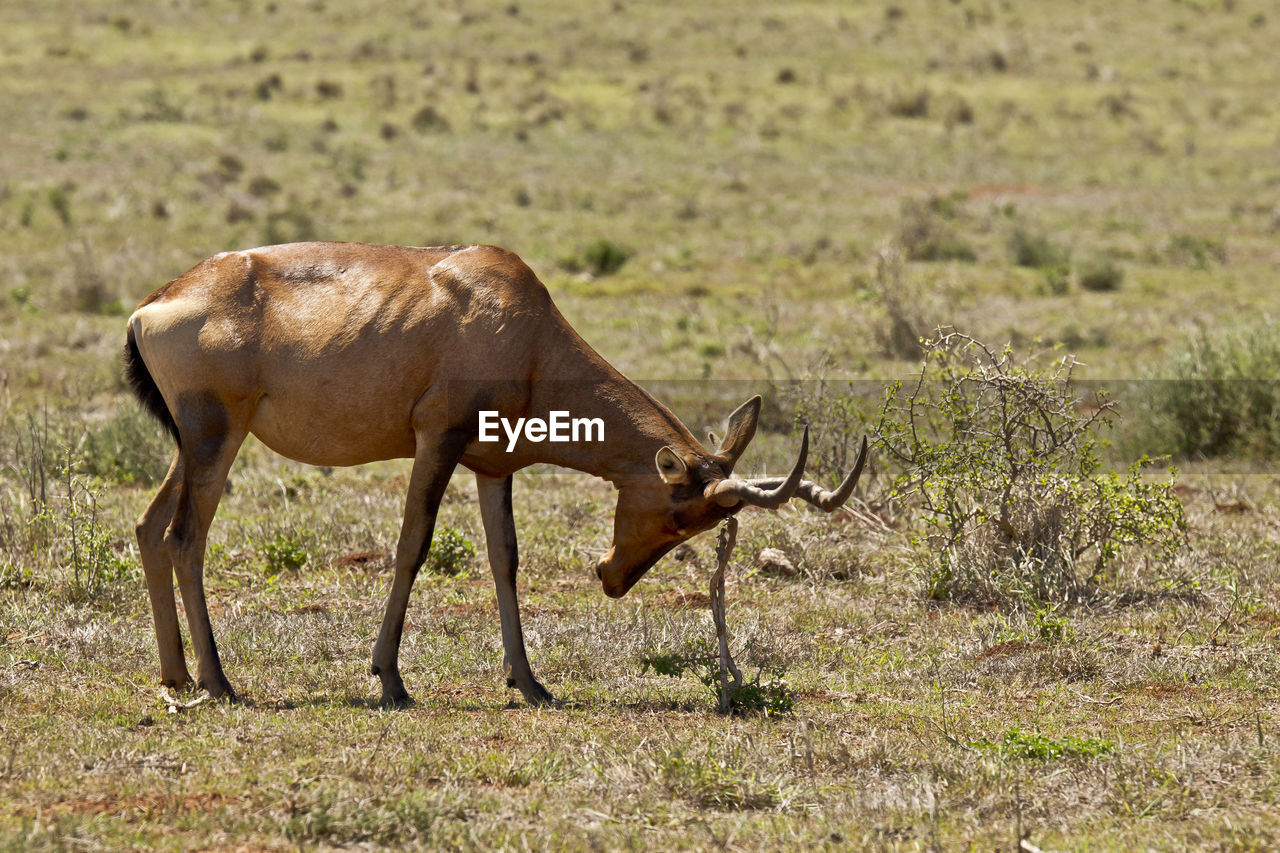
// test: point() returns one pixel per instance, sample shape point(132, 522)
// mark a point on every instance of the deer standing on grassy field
point(346, 353)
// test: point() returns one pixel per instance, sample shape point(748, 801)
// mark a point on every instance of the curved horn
point(819, 497)
point(732, 491)
point(827, 501)
point(742, 428)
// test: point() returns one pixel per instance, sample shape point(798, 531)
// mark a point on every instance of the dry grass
point(892, 697)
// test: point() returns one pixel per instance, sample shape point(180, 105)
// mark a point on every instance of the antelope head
point(695, 490)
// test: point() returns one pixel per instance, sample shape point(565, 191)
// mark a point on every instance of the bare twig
point(724, 550)
point(175, 705)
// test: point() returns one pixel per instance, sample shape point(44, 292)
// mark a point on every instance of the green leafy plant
point(1037, 747)
point(1001, 457)
point(451, 552)
point(284, 554)
point(52, 514)
point(1050, 627)
point(97, 566)
point(13, 575)
point(1034, 249)
point(771, 696)
point(603, 257)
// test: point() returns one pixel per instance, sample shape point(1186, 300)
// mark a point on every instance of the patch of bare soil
point(1011, 648)
point(145, 804)
point(363, 561)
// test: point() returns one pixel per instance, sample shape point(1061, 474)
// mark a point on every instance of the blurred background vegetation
point(709, 190)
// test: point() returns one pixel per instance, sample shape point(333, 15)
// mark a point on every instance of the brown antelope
point(345, 353)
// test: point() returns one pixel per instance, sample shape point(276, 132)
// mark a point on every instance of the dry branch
point(724, 550)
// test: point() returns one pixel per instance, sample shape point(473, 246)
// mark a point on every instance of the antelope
point(347, 353)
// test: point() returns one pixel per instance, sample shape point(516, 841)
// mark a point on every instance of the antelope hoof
point(396, 699)
point(393, 693)
point(183, 682)
point(218, 688)
point(533, 692)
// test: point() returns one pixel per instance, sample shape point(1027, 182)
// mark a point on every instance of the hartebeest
point(345, 353)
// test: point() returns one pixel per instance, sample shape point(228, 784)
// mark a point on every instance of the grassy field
point(725, 199)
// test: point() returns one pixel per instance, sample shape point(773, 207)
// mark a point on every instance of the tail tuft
point(144, 387)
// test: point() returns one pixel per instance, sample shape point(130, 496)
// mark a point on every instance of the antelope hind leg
point(210, 441)
point(157, 566)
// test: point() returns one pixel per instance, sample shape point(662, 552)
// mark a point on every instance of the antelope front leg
point(500, 540)
point(437, 456)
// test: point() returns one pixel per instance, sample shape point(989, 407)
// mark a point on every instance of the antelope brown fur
point(345, 353)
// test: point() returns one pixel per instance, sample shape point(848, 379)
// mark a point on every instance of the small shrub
point(769, 697)
point(158, 105)
point(908, 104)
point(91, 291)
point(284, 554)
point(237, 212)
point(1222, 397)
point(98, 568)
point(1036, 250)
point(262, 186)
point(1100, 276)
point(429, 120)
point(840, 416)
point(1002, 459)
point(900, 336)
point(128, 448)
point(1050, 627)
point(1038, 747)
point(958, 111)
point(60, 201)
point(451, 552)
point(229, 168)
point(1057, 279)
point(329, 89)
point(292, 224)
point(927, 234)
point(268, 86)
point(61, 525)
point(603, 257)
point(1195, 251)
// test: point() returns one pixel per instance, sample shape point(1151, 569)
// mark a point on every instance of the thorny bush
point(1001, 456)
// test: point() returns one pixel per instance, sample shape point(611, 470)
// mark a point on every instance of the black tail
point(144, 387)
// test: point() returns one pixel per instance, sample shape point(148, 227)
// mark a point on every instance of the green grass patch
point(1038, 747)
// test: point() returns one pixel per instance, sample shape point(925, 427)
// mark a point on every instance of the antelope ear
point(715, 442)
point(742, 428)
point(671, 468)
